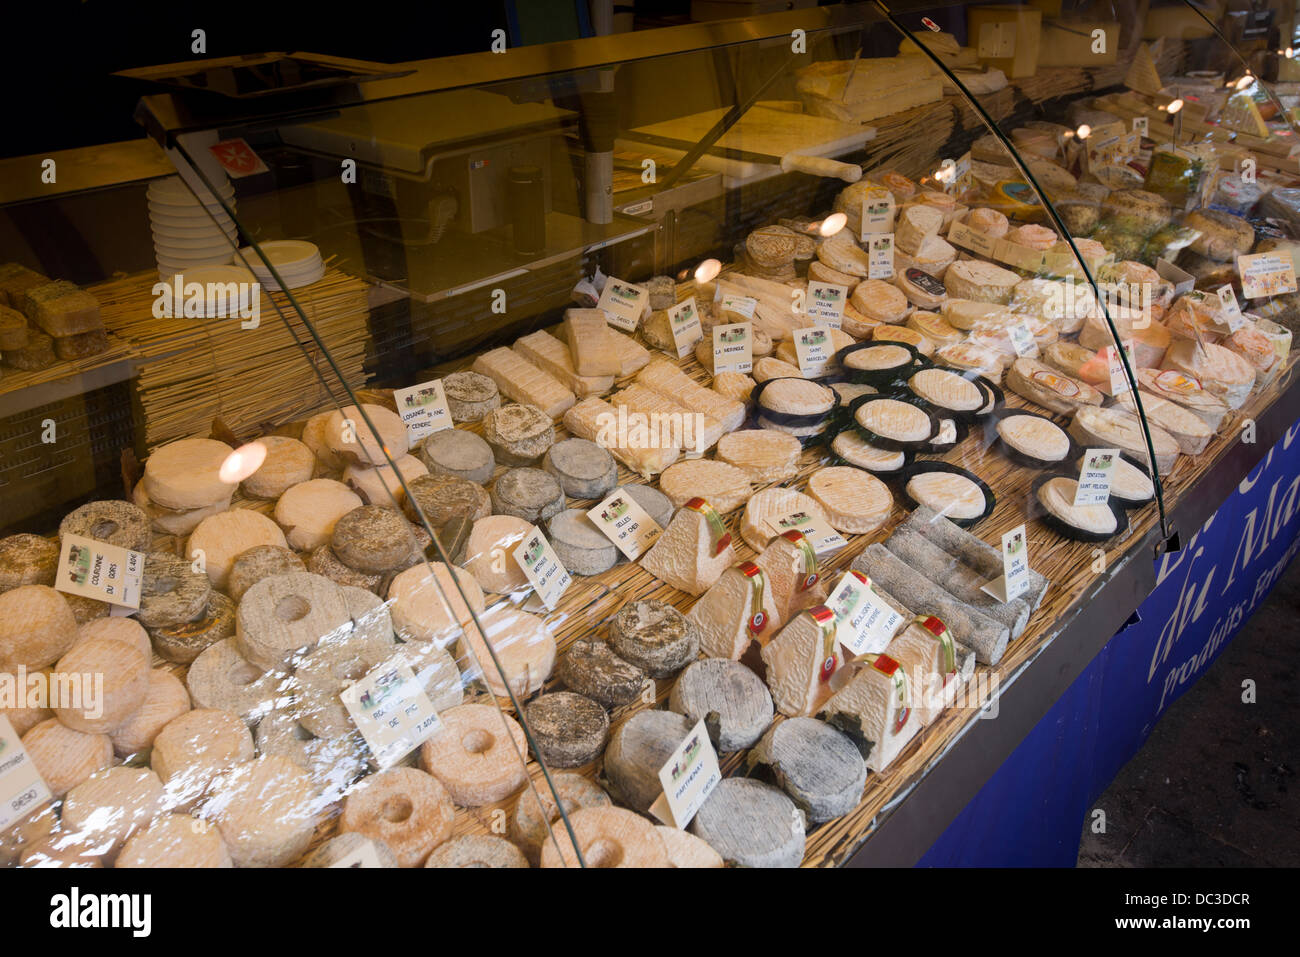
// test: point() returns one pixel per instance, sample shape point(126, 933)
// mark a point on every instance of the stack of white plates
point(187, 232)
point(226, 290)
point(297, 262)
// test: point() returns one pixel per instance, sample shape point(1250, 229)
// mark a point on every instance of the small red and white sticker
point(237, 158)
point(930, 23)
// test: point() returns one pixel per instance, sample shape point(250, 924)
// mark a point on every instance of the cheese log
point(1189, 430)
point(758, 525)
point(980, 281)
point(723, 486)
point(987, 637)
point(523, 382)
point(632, 356)
point(602, 423)
point(591, 343)
point(1117, 428)
point(1049, 387)
point(731, 700)
point(1185, 391)
point(816, 765)
point(668, 422)
point(666, 378)
point(786, 572)
point(551, 355)
point(800, 662)
point(766, 455)
point(1221, 371)
point(960, 580)
point(686, 556)
point(728, 617)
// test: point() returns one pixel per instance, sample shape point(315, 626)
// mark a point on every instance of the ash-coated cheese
point(220, 539)
point(636, 751)
point(518, 434)
point(407, 809)
point(309, 511)
point(459, 453)
point(183, 643)
point(37, 627)
point(817, 766)
point(551, 355)
point(580, 546)
point(751, 824)
point(351, 438)
point(523, 651)
point(117, 523)
point(725, 487)
point(731, 700)
point(531, 494)
point(524, 383)
point(583, 469)
point(654, 636)
point(373, 539)
point(765, 455)
point(569, 730)
point(27, 559)
point(438, 498)
point(476, 754)
point(470, 395)
point(591, 668)
point(856, 502)
point(185, 474)
point(172, 592)
point(287, 463)
point(980, 281)
point(61, 309)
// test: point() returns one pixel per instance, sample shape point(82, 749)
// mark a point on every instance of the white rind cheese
point(1057, 496)
point(1116, 428)
point(980, 281)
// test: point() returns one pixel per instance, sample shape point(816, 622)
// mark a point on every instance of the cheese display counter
point(645, 451)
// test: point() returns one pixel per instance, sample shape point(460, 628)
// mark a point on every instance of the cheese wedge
point(626, 436)
point(856, 502)
point(801, 660)
point(786, 564)
point(666, 378)
point(692, 553)
point(737, 610)
point(591, 343)
point(765, 455)
point(523, 382)
point(552, 356)
point(723, 486)
point(670, 423)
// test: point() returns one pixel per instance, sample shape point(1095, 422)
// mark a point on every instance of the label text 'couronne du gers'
point(213, 300)
point(77, 910)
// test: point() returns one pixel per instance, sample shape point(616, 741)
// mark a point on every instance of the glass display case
point(693, 431)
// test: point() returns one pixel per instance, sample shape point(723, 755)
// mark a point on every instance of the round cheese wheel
point(111, 805)
point(220, 539)
point(947, 390)
point(477, 754)
point(27, 560)
point(287, 463)
point(1035, 437)
point(174, 841)
point(379, 485)
point(685, 850)
point(171, 522)
point(351, 439)
point(309, 511)
point(953, 496)
point(725, 487)
point(37, 627)
point(108, 679)
point(186, 474)
point(568, 730)
point(265, 812)
point(282, 616)
point(536, 809)
point(489, 553)
point(313, 436)
point(419, 609)
point(856, 502)
point(193, 749)
point(172, 592)
point(35, 702)
point(1057, 496)
point(477, 850)
point(126, 630)
point(797, 397)
point(522, 645)
point(117, 523)
point(164, 699)
point(880, 300)
point(854, 449)
point(64, 757)
point(894, 420)
point(607, 837)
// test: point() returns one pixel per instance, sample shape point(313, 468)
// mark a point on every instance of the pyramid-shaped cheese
point(689, 555)
point(785, 564)
point(800, 661)
point(727, 616)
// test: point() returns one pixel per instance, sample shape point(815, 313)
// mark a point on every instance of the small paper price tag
point(543, 567)
point(22, 789)
point(363, 856)
point(1119, 383)
point(98, 570)
point(1014, 580)
point(880, 256)
point(812, 346)
point(1231, 315)
point(1266, 274)
point(733, 348)
point(1182, 280)
point(1140, 126)
point(959, 234)
point(625, 523)
point(740, 305)
point(688, 776)
point(864, 623)
point(623, 303)
point(825, 540)
point(1095, 477)
point(684, 320)
point(826, 303)
point(1023, 341)
point(877, 212)
point(391, 710)
point(424, 409)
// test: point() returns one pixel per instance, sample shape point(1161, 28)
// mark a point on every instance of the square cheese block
point(591, 343)
point(614, 429)
point(552, 356)
point(62, 309)
point(523, 382)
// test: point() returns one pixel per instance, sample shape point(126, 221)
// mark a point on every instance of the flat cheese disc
point(1057, 496)
point(723, 486)
point(876, 358)
point(855, 501)
point(797, 397)
point(1130, 483)
point(758, 524)
point(947, 390)
point(765, 455)
point(952, 496)
point(856, 450)
point(1035, 437)
point(892, 419)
